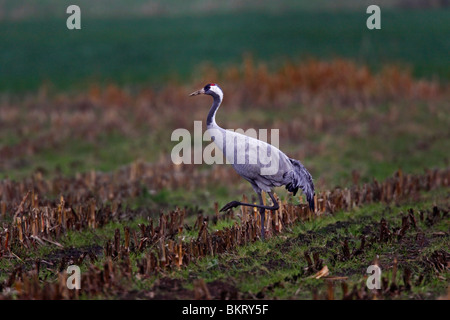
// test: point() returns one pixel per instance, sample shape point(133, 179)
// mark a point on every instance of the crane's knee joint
point(275, 206)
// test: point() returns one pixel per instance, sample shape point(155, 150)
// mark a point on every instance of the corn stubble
point(163, 245)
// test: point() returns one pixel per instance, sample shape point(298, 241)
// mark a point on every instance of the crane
point(289, 172)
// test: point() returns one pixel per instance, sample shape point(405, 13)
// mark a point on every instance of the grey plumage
point(250, 157)
point(301, 178)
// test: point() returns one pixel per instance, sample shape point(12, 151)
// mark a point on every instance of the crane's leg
point(262, 213)
point(261, 207)
point(234, 204)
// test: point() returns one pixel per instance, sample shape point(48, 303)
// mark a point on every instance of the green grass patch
point(155, 49)
point(275, 268)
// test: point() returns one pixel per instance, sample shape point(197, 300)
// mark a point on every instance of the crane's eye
point(207, 87)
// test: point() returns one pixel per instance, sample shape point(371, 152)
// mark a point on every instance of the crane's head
point(211, 89)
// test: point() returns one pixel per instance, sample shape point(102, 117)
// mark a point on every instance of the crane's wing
point(301, 178)
point(261, 162)
point(264, 165)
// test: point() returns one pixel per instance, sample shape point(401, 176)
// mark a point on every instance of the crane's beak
point(196, 93)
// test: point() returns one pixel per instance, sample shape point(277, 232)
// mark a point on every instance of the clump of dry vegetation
point(309, 102)
point(158, 248)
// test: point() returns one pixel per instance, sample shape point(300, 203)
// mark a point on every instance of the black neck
point(213, 110)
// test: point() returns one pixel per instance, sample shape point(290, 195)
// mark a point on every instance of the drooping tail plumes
point(301, 178)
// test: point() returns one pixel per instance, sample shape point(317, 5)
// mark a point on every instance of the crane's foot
point(230, 205)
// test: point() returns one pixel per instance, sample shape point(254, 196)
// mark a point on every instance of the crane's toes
point(230, 205)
